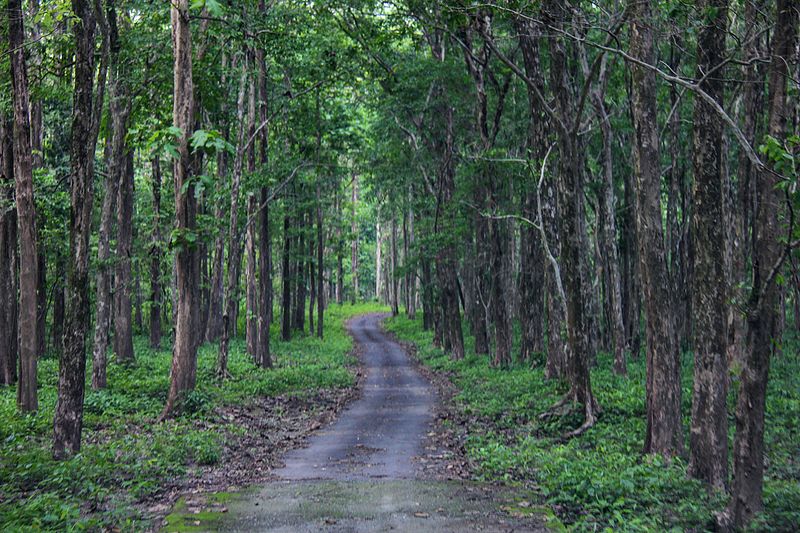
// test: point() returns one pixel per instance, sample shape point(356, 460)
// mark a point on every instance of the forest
point(578, 217)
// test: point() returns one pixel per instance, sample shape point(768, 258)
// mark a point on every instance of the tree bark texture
point(663, 392)
point(708, 459)
point(68, 421)
point(27, 399)
point(184, 356)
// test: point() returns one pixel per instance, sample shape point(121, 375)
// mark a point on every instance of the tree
point(709, 430)
point(762, 305)
point(86, 111)
point(27, 399)
point(663, 365)
point(184, 239)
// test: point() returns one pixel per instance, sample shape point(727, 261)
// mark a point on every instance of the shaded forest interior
point(584, 213)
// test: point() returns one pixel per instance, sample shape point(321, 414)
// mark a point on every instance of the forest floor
point(382, 465)
point(132, 469)
point(600, 480)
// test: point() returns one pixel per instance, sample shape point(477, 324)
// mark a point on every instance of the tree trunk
point(251, 293)
point(286, 280)
point(86, 112)
point(572, 229)
point(394, 292)
point(708, 459)
point(9, 261)
point(354, 246)
point(123, 327)
point(263, 356)
point(762, 307)
point(231, 296)
point(184, 356)
point(608, 237)
point(57, 331)
point(378, 259)
point(41, 291)
point(27, 399)
point(320, 269)
point(251, 324)
point(663, 390)
point(156, 248)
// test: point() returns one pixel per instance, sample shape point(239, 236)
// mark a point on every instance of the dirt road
point(359, 474)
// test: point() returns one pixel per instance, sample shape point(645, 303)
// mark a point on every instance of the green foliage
point(126, 454)
point(601, 480)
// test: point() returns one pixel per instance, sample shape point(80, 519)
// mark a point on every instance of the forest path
point(380, 433)
point(359, 473)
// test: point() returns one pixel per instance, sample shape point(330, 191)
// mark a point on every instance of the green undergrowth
point(600, 480)
point(126, 456)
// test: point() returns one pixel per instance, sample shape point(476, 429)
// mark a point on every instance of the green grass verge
point(126, 456)
point(601, 481)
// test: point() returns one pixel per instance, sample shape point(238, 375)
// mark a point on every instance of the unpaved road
point(380, 433)
point(359, 473)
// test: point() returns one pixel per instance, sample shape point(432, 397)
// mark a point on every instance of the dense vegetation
point(600, 480)
point(127, 458)
point(599, 197)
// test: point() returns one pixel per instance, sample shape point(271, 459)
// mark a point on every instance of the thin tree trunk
point(27, 399)
point(394, 292)
point(155, 258)
point(263, 355)
point(320, 269)
point(378, 259)
point(184, 357)
point(251, 293)
point(286, 279)
point(354, 246)
point(231, 296)
point(663, 389)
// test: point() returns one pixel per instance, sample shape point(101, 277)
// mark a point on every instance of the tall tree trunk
point(742, 214)
point(9, 261)
point(378, 259)
point(394, 292)
point(286, 279)
point(184, 356)
point(572, 228)
point(119, 111)
point(156, 248)
point(231, 296)
point(86, 112)
point(354, 245)
point(263, 355)
point(608, 236)
point(300, 276)
point(312, 281)
point(708, 459)
point(251, 324)
point(320, 265)
point(251, 289)
point(123, 327)
point(663, 390)
point(27, 399)
point(762, 306)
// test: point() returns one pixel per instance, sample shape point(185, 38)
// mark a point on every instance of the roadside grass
point(126, 456)
point(600, 480)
